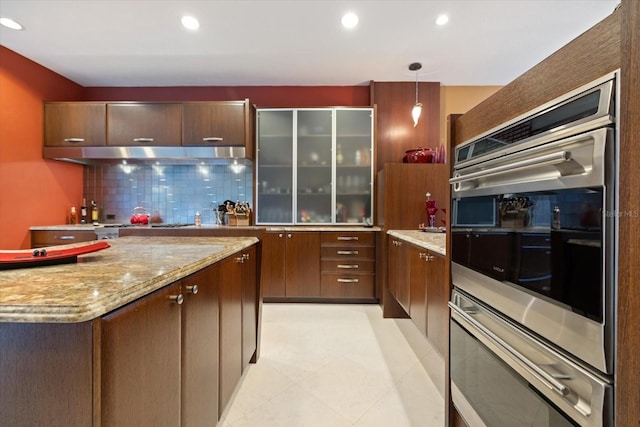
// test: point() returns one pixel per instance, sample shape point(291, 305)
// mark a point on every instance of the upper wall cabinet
point(144, 124)
point(68, 124)
point(314, 166)
point(214, 123)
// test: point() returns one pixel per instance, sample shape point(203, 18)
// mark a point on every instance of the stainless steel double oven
point(533, 250)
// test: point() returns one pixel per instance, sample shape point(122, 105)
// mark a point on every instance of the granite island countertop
point(103, 281)
point(436, 242)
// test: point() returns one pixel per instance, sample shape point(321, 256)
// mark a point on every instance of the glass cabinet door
point(354, 143)
point(314, 132)
point(274, 173)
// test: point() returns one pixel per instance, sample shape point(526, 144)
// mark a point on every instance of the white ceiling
point(295, 42)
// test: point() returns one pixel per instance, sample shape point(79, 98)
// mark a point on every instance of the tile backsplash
point(174, 192)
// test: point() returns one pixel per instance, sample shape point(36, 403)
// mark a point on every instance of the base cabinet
point(348, 265)
point(140, 362)
point(291, 264)
point(171, 358)
point(200, 347)
point(230, 327)
point(417, 280)
point(398, 272)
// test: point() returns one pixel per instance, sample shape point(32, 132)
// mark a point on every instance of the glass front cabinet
point(314, 166)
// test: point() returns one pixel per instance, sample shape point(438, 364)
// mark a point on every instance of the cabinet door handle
point(193, 289)
point(289, 235)
point(74, 140)
point(429, 257)
point(348, 266)
point(280, 235)
point(212, 139)
point(348, 280)
point(240, 259)
point(66, 237)
point(142, 139)
point(347, 252)
point(178, 299)
point(245, 256)
point(347, 238)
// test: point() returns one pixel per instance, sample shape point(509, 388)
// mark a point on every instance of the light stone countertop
point(91, 227)
point(108, 279)
point(436, 242)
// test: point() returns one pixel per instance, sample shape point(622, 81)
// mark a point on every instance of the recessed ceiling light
point(190, 23)
point(10, 23)
point(442, 19)
point(349, 20)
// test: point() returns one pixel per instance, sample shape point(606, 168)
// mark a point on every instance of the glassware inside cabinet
point(354, 136)
point(274, 195)
point(314, 166)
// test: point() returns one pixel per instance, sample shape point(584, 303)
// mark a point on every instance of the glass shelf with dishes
point(321, 164)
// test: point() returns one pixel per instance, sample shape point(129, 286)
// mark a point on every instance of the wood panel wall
point(628, 356)
point(593, 54)
point(396, 134)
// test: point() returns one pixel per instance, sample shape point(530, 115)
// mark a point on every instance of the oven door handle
point(545, 160)
point(534, 369)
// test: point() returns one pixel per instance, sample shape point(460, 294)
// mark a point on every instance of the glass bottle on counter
point(83, 211)
point(72, 215)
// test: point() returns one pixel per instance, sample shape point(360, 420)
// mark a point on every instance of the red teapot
point(140, 216)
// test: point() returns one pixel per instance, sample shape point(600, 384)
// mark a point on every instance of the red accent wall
point(33, 191)
point(261, 96)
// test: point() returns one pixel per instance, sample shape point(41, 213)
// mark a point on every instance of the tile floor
point(334, 365)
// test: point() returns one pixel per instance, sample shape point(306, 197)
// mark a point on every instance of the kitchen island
point(151, 331)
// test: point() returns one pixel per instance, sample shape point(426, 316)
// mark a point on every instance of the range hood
point(149, 154)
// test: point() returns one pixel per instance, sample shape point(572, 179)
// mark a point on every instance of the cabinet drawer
point(348, 252)
point(60, 237)
point(334, 285)
point(348, 266)
point(349, 238)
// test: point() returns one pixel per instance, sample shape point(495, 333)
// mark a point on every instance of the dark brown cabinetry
point(230, 327)
point(74, 124)
point(162, 360)
point(398, 272)
point(418, 272)
point(418, 282)
point(249, 306)
point(144, 124)
point(348, 265)
point(43, 238)
point(140, 362)
point(215, 123)
point(200, 347)
point(291, 264)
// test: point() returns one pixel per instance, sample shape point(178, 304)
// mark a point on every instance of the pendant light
point(417, 108)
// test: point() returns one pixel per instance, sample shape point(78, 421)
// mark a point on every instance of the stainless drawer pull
point(535, 370)
point(348, 280)
point(66, 237)
point(193, 289)
point(178, 299)
point(142, 139)
point(347, 238)
point(347, 252)
point(347, 265)
point(74, 140)
point(212, 139)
